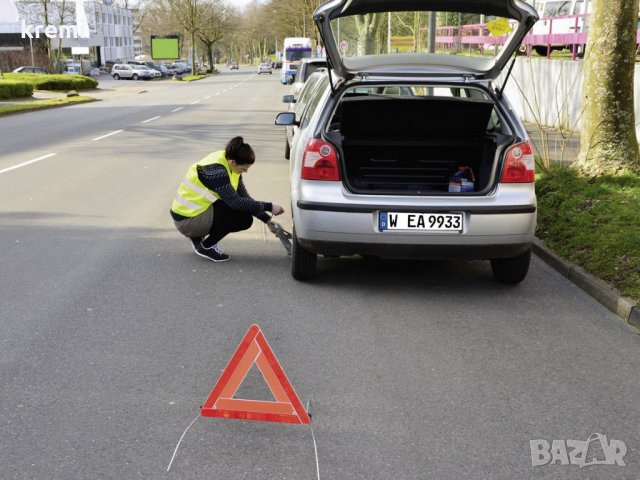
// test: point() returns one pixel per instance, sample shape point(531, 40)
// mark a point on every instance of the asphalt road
point(113, 332)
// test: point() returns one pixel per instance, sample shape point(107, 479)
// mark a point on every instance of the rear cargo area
point(414, 144)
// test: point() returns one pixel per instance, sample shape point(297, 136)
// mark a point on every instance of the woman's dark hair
point(239, 151)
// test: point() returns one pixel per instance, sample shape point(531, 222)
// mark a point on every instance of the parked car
point(264, 68)
point(30, 69)
point(173, 69)
point(412, 156)
point(134, 72)
point(234, 66)
point(305, 69)
point(298, 106)
point(183, 66)
point(164, 71)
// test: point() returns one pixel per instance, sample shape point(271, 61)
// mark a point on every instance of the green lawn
point(42, 104)
point(594, 223)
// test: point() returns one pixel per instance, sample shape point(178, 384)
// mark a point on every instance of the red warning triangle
point(254, 348)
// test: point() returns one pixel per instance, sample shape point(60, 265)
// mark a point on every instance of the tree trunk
point(367, 26)
point(608, 137)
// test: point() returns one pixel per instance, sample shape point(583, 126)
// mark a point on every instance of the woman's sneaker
point(195, 241)
point(211, 253)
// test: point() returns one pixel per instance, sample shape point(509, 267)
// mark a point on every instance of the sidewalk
point(562, 147)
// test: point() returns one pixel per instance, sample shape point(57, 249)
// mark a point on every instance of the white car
point(134, 72)
point(413, 155)
point(265, 68)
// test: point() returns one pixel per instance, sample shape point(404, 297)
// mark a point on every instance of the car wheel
point(116, 77)
point(511, 270)
point(303, 263)
point(287, 148)
point(135, 76)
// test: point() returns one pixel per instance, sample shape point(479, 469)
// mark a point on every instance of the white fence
point(549, 92)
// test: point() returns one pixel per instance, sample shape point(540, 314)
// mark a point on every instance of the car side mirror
point(288, 99)
point(286, 119)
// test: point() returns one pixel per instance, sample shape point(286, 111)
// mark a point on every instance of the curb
point(624, 307)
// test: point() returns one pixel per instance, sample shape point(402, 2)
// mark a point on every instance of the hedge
point(14, 89)
point(54, 82)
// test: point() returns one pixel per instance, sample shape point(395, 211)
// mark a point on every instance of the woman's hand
point(276, 209)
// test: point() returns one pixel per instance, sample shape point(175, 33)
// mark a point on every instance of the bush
point(14, 89)
point(54, 82)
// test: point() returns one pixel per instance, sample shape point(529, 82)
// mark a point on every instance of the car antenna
point(500, 91)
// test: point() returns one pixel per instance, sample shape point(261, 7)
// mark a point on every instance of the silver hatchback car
point(413, 155)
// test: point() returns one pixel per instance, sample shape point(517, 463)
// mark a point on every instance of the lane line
point(177, 109)
point(29, 162)
point(207, 97)
point(107, 135)
point(217, 93)
point(150, 119)
point(193, 103)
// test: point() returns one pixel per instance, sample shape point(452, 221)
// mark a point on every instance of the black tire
point(511, 270)
point(135, 76)
point(287, 148)
point(116, 77)
point(303, 262)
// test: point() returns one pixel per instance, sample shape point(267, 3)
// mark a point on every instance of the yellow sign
point(499, 27)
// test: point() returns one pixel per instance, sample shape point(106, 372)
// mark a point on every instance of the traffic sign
point(254, 349)
point(344, 45)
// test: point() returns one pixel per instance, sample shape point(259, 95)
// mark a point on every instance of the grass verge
point(192, 78)
point(593, 223)
point(42, 104)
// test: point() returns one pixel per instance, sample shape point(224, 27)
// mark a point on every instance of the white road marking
point(24, 164)
point(207, 97)
point(107, 135)
point(197, 101)
point(150, 119)
point(218, 93)
point(177, 109)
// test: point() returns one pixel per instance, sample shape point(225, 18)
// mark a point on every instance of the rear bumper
point(416, 251)
point(342, 229)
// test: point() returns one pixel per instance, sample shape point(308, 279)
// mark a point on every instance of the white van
point(559, 17)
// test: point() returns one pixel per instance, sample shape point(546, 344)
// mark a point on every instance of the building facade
point(109, 37)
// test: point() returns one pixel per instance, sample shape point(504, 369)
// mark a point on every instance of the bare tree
point(367, 26)
point(216, 20)
point(188, 14)
point(608, 137)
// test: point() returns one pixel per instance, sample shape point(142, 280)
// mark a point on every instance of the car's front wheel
point(511, 270)
point(135, 76)
point(303, 262)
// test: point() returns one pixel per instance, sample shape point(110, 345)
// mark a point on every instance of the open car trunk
point(412, 145)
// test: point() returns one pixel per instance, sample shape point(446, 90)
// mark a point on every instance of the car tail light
point(320, 161)
point(519, 166)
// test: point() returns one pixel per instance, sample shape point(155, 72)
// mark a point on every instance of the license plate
point(429, 222)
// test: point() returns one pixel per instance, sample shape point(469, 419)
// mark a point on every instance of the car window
point(313, 67)
point(314, 102)
point(305, 94)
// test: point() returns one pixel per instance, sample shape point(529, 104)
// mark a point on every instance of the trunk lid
point(475, 38)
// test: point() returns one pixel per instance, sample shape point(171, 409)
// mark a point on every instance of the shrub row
point(55, 81)
point(14, 89)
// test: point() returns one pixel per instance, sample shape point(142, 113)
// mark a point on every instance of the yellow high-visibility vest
point(193, 197)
